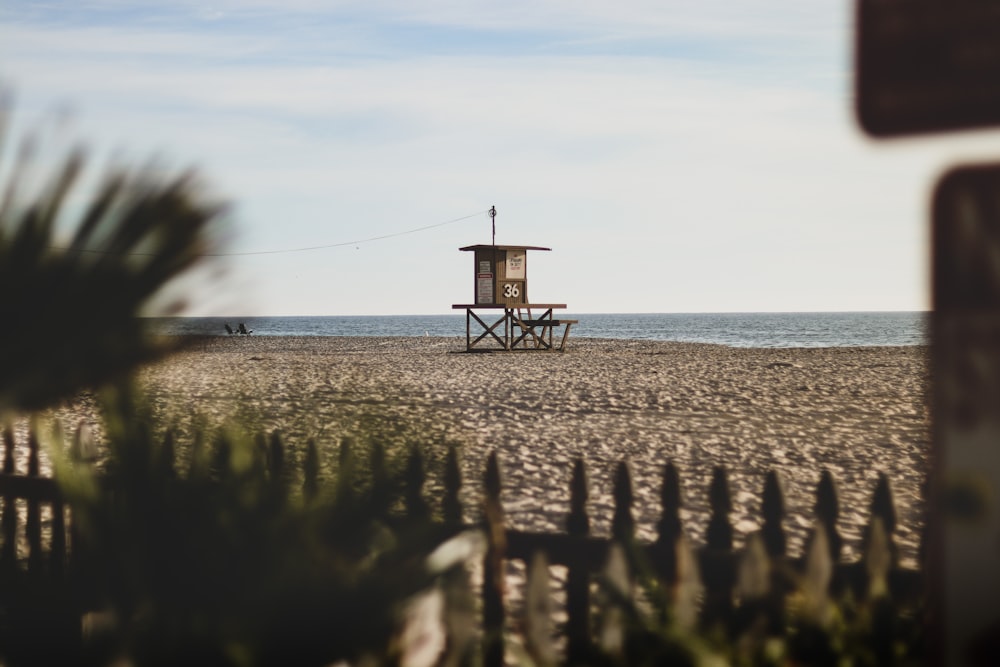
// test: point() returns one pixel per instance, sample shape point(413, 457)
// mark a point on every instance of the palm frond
point(69, 312)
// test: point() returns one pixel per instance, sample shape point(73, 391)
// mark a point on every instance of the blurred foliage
point(217, 563)
point(221, 561)
point(803, 621)
point(71, 307)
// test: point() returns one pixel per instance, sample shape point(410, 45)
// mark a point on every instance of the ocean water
point(733, 329)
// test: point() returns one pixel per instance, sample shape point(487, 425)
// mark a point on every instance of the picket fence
point(713, 585)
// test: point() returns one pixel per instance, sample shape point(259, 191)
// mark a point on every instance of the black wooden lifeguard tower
point(501, 283)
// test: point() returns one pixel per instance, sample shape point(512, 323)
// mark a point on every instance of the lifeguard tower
point(501, 284)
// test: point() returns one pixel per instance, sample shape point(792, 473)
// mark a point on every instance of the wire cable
point(346, 243)
point(307, 248)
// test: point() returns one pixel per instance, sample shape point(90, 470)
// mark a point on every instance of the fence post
point(775, 545)
point(686, 593)
point(773, 509)
point(669, 526)
point(717, 559)
point(451, 505)
point(277, 471)
point(817, 575)
point(877, 562)
point(166, 460)
point(621, 566)
point(754, 620)
point(578, 576)
point(460, 601)
point(880, 555)
point(57, 557)
point(9, 554)
point(884, 507)
point(260, 461)
point(417, 510)
point(222, 457)
point(614, 600)
point(8, 455)
point(345, 474)
point(199, 465)
point(33, 522)
point(310, 469)
point(381, 487)
point(81, 448)
point(827, 510)
point(276, 458)
point(719, 534)
point(493, 567)
point(622, 522)
point(78, 564)
point(538, 612)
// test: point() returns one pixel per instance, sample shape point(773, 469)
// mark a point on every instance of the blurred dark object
point(207, 553)
point(966, 320)
point(965, 474)
point(70, 308)
point(927, 65)
point(966, 212)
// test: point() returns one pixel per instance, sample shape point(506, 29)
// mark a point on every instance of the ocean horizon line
point(799, 329)
point(567, 310)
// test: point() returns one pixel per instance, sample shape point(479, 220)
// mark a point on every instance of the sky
point(677, 156)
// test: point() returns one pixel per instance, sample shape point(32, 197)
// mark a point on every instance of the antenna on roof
point(493, 219)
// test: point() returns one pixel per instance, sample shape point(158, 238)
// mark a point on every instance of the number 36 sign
point(511, 290)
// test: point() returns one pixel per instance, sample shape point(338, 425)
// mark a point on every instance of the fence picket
point(827, 509)
point(310, 470)
point(754, 617)
point(773, 511)
point(345, 473)
point(578, 576)
point(884, 507)
point(8, 557)
point(578, 522)
point(33, 520)
point(167, 455)
point(684, 596)
point(669, 528)
point(615, 594)
point(753, 581)
point(669, 532)
point(381, 487)
point(877, 559)
point(451, 505)
point(719, 534)
point(417, 509)
point(816, 580)
point(744, 594)
point(459, 618)
point(57, 557)
point(717, 570)
point(622, 521)
point(82, 449)
point(494, 580)
point(8, 452)
point(538, 612)
point(277, 477)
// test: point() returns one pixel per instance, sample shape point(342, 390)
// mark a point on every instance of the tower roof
point(504, 247)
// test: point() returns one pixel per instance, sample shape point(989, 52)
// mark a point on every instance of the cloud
point(708, 145)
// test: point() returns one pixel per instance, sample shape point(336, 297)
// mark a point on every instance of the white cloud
point(696, 183)
point(649, 18)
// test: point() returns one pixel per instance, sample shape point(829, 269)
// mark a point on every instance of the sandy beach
point(855, 411)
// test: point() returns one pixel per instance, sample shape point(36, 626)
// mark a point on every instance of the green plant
point(215, 563)
point(219, 561)
point(71, 307)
